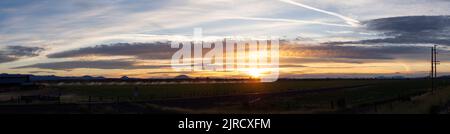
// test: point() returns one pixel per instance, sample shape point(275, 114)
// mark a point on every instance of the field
point(283, 96)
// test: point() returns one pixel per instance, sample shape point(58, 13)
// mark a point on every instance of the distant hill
point(391, 77)
point(182, 77)
point(445, 77)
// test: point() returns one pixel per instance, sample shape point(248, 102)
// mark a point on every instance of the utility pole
point(432, 69)
point(434, 63)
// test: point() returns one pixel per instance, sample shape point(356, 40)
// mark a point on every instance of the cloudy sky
point(321, 38)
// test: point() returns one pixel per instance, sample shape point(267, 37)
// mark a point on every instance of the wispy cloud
point(348, 20)
point(292, 21)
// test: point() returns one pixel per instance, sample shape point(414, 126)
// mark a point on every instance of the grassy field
point(352, 97)
point(193, 90)
point(285, 96)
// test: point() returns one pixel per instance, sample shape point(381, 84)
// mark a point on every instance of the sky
point(320, 38)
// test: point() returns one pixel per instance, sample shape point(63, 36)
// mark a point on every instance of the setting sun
point(255, 72)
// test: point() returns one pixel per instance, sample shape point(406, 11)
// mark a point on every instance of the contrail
point(348, 20)
point(290, 21)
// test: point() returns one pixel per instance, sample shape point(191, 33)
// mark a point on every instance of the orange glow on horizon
point(255, 72)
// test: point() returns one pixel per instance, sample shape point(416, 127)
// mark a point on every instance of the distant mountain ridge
point(52, 77)
point(86, 77)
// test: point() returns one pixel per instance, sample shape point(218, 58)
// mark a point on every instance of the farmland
point(283, 96)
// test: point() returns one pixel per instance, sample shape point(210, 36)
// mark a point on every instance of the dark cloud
point(330, 52)
point(101, 64)
point(13, 53)
point(408, 30)
point(291, 66)
point(342, 67)
point(410, 24)
point(6, 58)
point(302, 60)
point(36, 72)
point(140, 50)
point(22, 51)
point(171, 72)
